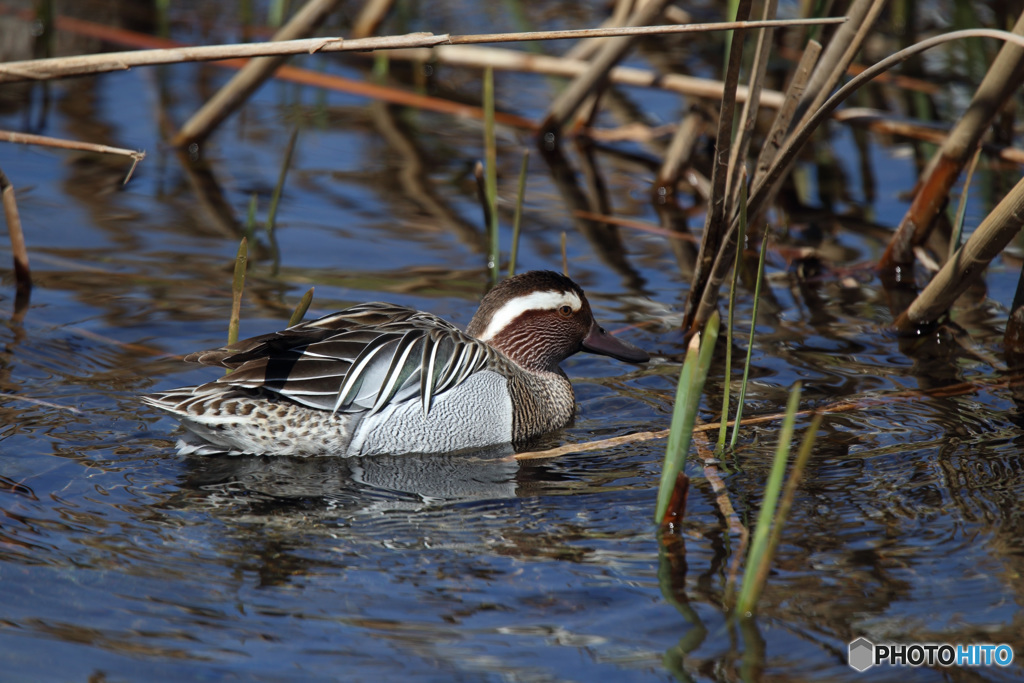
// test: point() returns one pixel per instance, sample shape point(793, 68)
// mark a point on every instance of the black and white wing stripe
point(361, 317)
point(342, 364)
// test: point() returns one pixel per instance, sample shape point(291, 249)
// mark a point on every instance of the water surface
point(122, 561)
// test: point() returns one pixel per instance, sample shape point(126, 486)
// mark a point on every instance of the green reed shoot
point(961, 209)
point(760, 556)
point(381, 66)
point(237, 284)
point(279, 187)
point(300, 311)
point(249, 229)
point(750, 341)
point(491, 177)
point(276, 12)
point(788, 494)
point(741, 240)
point(518, 217)
point(163, 23)
point(684, 412)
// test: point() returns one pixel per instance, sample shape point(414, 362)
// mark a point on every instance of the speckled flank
point(478, 414)
point(247, 425)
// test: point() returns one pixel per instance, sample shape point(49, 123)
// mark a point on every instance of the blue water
point(122, 561)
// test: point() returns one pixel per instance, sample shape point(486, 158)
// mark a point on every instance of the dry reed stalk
point(370, 17)
point(902, 82)
point(236, 91)
point(784, 116)
point(503, 59)
point(466, 55)
point(838, 56)
point(765, 189)
point(22, 273)
point(291, 74)
point(879, 121)
point(678, 154)
point(62, 67)
point(585, 49)
point(713, 473)
point(717, 219)
point(748, 117)
point(1000, 81)
point(46, 141)
point(590, 81)
point(967, 264)
point(636, 225)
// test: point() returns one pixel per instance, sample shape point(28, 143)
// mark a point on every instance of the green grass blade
point(750, 342)
point(250, 218)
point(684, 413)
point(275, 13)
point(518, 217)
point(961, 209)
point(786, 503)
point(279, 187)
point(707, 347)
point(237, 285)
point(300, 311)
point(750, 592)
point(741, 239)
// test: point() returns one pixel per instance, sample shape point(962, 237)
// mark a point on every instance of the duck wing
point(359, 317)
point(360, 359)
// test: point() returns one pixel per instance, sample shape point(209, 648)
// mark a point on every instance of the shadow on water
point(349, 487)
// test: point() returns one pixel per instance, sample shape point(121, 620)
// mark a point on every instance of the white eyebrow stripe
point(534, 301)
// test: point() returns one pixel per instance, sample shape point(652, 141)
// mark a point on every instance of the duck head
point(540, 318)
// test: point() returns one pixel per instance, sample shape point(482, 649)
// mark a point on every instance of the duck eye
point(566, 311)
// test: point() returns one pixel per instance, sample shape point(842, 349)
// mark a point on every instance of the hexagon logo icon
point(862, 654)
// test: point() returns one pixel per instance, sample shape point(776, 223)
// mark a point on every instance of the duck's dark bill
point(599, 341)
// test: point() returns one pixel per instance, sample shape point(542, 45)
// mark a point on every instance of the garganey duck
point(380, 378)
